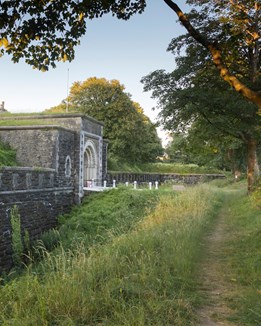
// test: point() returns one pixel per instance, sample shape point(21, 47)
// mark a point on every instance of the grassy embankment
point(133, 275)
point(242, 259)
point(159, 167)
point(127, 265)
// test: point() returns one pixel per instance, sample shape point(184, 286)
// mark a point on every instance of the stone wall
point(53, 147)
point(39, 197)
point(104, 158)
point(39, 146)
point(122, 177)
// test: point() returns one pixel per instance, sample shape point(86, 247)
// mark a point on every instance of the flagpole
point(67, 100)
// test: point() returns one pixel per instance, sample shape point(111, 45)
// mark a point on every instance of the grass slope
point(243, 261)
point(143, 274)
point(126, 265)
point(101, 217)
point(114, 166)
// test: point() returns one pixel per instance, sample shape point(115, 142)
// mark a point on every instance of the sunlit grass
point(142, 275)
point(243, 261)
point(25, 122)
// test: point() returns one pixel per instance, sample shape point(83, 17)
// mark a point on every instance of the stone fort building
point(70, 144)
point(58, 156)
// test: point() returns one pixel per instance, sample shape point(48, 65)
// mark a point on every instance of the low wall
point(190, 179)
point(39, 200)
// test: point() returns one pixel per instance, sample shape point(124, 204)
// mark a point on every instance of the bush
point(7, 155)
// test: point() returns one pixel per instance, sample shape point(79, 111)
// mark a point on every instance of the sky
point(111, 48)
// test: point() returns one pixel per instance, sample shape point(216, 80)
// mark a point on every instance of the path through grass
point(150, 272)
point(229, 273)
point(143, 275)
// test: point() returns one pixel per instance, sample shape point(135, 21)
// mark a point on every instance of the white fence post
point(127, 184)
point(150, 185)
point(104, 184)
point(135, 185)
point(114, 184)
point(156, 185)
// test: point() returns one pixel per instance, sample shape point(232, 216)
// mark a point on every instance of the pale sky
point(113, 49)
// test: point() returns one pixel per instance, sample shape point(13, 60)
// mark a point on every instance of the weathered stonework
point(48, 143)
point(54, 157)
point(39, 202)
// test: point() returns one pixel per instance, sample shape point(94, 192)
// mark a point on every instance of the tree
point(199, 147)
point(193, 95)
point(234, 42)
point(239, 33)
point(47, 31)
point(133, 137)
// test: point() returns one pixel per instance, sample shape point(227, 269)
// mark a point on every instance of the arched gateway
point(90, 164)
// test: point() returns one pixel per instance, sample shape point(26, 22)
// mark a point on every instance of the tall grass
point(143, 276)
point(102, 216)
point(7, 156)
point(243, 260)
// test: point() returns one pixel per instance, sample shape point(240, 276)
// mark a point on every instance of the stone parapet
point(39, 198)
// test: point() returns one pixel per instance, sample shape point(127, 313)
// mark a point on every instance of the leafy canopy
point(133, 137)
point(47, 31)
point(194, 99)
point(228, 29)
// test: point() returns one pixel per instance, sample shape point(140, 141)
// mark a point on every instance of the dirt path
point(213, 285)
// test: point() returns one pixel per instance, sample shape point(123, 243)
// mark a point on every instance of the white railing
point(99, 185)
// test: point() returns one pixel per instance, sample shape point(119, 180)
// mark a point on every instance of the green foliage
point(49, 239)
point(7, 155)
point(17, 245)
point(256, 194)
point(23, 122)
point(196, 100)
point(221, 183)
point(27, 242)
point(114, 166)
point(133, 137)
point(44, 32)
point(178, 168)
point(105, 215)
point(243, 261)
point(196, 147)
point(143, 275)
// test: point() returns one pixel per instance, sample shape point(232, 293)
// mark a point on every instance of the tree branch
point(254, 97)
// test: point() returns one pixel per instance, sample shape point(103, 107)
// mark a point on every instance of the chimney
point(2, 107)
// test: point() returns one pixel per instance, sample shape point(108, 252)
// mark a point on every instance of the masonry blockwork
point(50, 177)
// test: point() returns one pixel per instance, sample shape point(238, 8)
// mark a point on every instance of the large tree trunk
point(252, 163)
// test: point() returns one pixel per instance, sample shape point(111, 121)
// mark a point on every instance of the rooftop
point(8, 119)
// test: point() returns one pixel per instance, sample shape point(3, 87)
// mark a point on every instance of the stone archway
point(90, 165)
